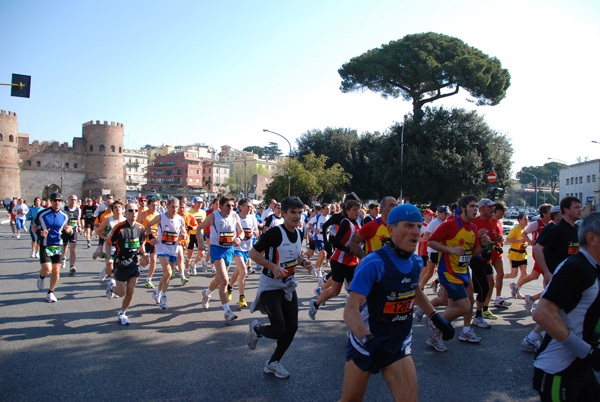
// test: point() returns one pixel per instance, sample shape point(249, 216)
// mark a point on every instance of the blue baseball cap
point(404, 212)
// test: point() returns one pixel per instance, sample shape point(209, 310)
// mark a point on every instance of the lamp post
point(536, 186)
point(290, 158)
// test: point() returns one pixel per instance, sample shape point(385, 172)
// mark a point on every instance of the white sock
point(163, 294)
point(466, 329)
point(226, 307)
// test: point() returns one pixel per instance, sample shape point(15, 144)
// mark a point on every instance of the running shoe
point(250, 271)
point(195, 270)
point(252, 337)
point(529, 345)
point(163, 301)
point(276, 369)
point(184, 280)
point(230, 316)
point(205, 298)
point(502, 302)
point(469, 336)
point(419, 313)
point(213, 269)
point(37, 255)
point(435, 286)
point(123, 319)
point(102, 275)
point(432, 330)
point(529, 303)
point(173, 274)
point(41, 283)
point(32, 254)
point(63, 264)
point(204, 264)
point(318, 292)
point(109, 292)
point(312, 311)
point(514, 289)
point(436, 343)
point(489, 315)
point(72, 271)
point(50, 298)
point(229, 294)
point(89, 245)
point(481, 323)
point(96, 254)
point(440, 291)
point(322, 281)
point(149, 284)
point(242, 303)
point(156, 297)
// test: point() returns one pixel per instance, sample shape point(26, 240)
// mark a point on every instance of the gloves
point(378, 350)
point(443, 325)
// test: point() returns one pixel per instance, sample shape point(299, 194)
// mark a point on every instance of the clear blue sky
point(219, 72)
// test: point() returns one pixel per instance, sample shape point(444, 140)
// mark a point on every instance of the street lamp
point(290, 158)
point(536, 186)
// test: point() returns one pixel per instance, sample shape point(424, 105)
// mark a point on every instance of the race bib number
point(73, 223)
point(463, 262)
point(169, 238)
point(573, 248)
point(226, 239)
point(247, 234)
point(89, 215)
point(289, 268)
point(132, 244)
point(398, 305)
point(53, 251)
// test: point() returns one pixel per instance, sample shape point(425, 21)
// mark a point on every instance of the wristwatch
point(365, 339)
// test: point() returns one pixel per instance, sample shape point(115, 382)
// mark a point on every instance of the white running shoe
point(230, 316)
point(501, 302)
point(102, 275)
point(529, 345)
point(469, 336)
point(123, 319)
point(50, 298)
point(109, 292)
point(41, 283)
point(529, 303)
point(156, 297)
point(252, 337)
point(37, 255)
point(64, 264)
point(163, 301)
point(436, 343)
point(276, 369)
point(205, 298)
point(481, 323)
point(32, 254)
point(419, 313)
point(195, 270)
point(72, 271)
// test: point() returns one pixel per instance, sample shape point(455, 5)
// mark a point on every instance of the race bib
point(73, 223)
point(398, 305)
point(169, 238)
point(132, 244)
point(247, 234)
point(89, 215)
point(573, 248)
point(226, 239)
point(289, 268)
point(52, 251)
point(463, 262)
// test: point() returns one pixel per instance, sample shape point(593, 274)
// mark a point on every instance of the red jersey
point(374, 232)
point(422, 247)
point(493, 228)
point(344, 257)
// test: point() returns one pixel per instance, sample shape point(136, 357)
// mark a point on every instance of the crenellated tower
point(10, 173)
point(104, 158)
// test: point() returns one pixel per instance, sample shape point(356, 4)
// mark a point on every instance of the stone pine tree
point(426, 67)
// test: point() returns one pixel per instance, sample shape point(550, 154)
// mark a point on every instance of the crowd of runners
point(385, 255)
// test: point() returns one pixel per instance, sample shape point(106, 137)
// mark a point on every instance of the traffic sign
point(314, 198)
point(492, 177)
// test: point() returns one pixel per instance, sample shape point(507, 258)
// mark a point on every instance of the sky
point(219, 73)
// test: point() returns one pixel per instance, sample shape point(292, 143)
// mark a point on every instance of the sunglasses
point(57, 200)
point(132, 210)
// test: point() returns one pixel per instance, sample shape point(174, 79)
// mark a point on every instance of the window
point(567, 181)
point(178, 172)
point(197, 172)
point(119, 149)
point(571, 181)
point(38, 164)
point(74, 166)
point(580, 179)
point(112, 148)
point(588, 178)
point(101, 149)
point(593, 178)
point(169, 172)
point(0, 136)
point(67, 165)
point(28, 163)
point(91, 148)
point(11, 138)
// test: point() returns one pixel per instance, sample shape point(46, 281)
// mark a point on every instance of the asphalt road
point(75, 350)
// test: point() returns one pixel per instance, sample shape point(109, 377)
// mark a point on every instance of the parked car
point(508, 224)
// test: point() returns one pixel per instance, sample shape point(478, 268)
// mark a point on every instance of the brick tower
point(10, 173)
point(104, 159)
